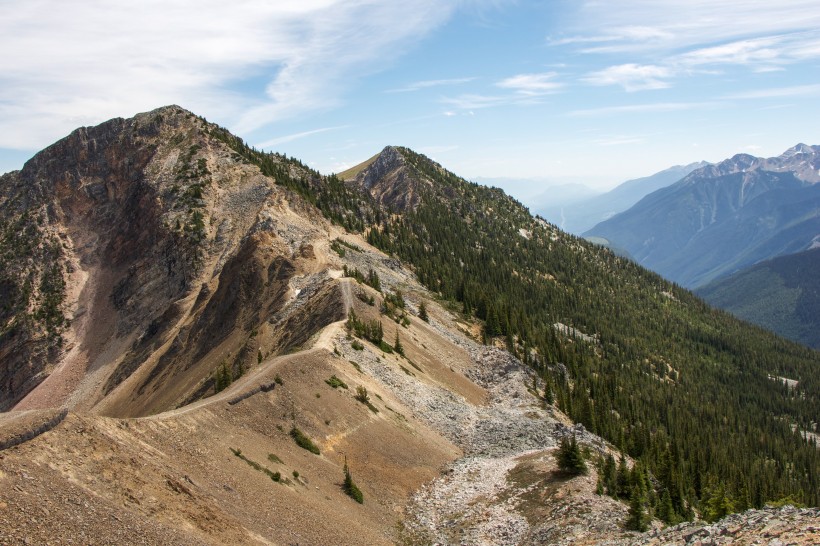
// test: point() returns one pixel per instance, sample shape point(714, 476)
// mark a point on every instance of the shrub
point(364, 398)
point(303, 441)
point(335, 382)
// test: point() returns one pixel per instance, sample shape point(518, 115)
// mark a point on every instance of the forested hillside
point(674, 383)
point(781, 295)
point(688, 390)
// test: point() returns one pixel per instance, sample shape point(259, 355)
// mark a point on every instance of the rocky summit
point(202, 344)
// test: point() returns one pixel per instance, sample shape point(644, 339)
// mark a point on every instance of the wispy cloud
point(680, 38)
point(296, 136)
point(523, 89)
point(680, 25)
point(472, 101)
point(779, 92)
point(425, 84)
point(532, 84)
point(615, 39)
point(754, 51)
point(640, 108)
point(632, 77)
point(80, 63)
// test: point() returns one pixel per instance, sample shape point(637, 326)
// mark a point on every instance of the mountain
point(581, 215)
point(781, 295)
point(723, 217)
point(133, 251)
point(203, 343)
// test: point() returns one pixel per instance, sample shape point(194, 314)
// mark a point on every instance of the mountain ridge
point(527, 328)
point(723, 217)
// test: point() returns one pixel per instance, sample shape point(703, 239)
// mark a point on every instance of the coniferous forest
point(691, 393)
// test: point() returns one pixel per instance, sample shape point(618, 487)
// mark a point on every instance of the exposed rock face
point(776, 527)
point(391, 182)
point(145, 242)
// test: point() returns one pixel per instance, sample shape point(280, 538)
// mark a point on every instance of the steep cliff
point(137, 246)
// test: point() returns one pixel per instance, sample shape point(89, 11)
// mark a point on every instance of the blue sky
point(556, 91)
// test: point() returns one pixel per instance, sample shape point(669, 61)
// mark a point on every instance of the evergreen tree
point(492, 327)
point(397, 346)
point(570, 459)
point(350, 488)
point(610, 477)
point(423, 312)
point(666, 511)
point(719, 503)
point(638, 519)
point(549, 396)
point(622, 479)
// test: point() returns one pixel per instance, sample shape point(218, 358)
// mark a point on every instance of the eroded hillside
point(157, 255)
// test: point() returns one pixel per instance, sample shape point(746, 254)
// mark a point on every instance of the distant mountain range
point(585, 212)
point(724, 217)
point(782, 295)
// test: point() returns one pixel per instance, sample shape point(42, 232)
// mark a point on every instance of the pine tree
point(638, 519)
point(350, 488)
point(719, 503)
point(423, 312)
point(570, 459)
point(397, 346)
point(610, 476)
point(622, 479)
point(492, 326)
point(549, 396)
point(666, 512)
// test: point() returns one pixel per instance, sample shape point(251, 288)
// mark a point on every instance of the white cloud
point(425, 84)
point(685, 37)
point(296, 136)
point(532, 84)
point(525, 89)
point(677, 25)
point(246, 63)
point(632, 77)
point(472, 101)
point(759, 50)
point(779, 92)
point(649, 108)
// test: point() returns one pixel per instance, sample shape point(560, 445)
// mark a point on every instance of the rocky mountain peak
point(133, 227)
point(390, 179)
point(802, 160)
point(800, 148)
